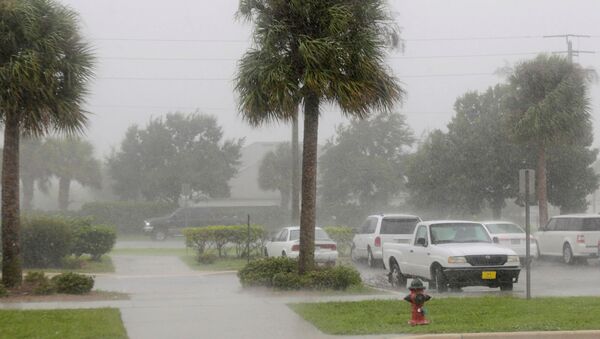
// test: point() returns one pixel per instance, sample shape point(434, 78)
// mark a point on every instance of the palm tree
point(548, 104)
point(44, 69)
point(312, 52)
point(72, 159)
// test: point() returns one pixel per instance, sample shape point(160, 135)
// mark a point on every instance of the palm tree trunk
point(11, 245)
point(295, 172)
point(28, 192)
point(309, 184)
point(541, 189)
point(64, 185)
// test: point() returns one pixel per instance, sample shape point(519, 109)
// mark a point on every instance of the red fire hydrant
point(417, 299)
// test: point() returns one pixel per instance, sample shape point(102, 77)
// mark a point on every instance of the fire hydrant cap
point(416, 284)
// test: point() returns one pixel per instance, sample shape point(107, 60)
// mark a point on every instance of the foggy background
point(156, 57)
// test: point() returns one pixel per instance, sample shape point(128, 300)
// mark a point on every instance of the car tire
point(506, 287)
point(370, 260)
point(568, 255)
point(439, 279)
point(283, 254)
point(396, 278)
point(160, 235)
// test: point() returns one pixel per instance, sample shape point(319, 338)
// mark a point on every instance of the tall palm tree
point(311, 52)
point(44, 69)
point(548, 104)
point(72, 159)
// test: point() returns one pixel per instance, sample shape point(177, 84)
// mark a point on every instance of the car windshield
point(458, 233)
point(504, 228)
point(398, 226)
point(319, 235)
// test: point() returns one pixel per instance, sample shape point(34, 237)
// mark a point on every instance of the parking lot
point(549, 277)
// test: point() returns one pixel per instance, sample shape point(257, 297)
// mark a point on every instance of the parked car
point(511, 235)
point(379, 229)
point(287, 244)
point(573, 237)
point(451, 254)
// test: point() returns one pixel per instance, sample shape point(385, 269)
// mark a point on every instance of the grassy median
point(455, 315)
point(62, 324)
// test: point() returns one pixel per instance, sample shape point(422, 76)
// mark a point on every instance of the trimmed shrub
point(129, 216)
point(261, 272)
point(217, 237)
point(337, 278)
point(39, 283)
point(343, 236)
point(3, 291)
point(289, 281)
point(94, 240)
point(45, 241)
point(206, 258)
point(73, 283)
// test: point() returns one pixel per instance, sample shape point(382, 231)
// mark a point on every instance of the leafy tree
point(44, 70)
point(315, 52)
point(178, 149)
point(547, 105)
point(72, 159)
point(486, 159)
point(571, 176)
point(275, 173)
point(363, 164)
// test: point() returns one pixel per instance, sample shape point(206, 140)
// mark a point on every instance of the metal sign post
point(526, 190)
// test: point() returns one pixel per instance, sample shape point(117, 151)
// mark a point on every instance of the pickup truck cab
point(451, 254)
point(378, 229)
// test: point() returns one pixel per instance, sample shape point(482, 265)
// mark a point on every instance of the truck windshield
point(458, 233)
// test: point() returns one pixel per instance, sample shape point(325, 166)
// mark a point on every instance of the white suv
point(574, 237)
point(378, 229)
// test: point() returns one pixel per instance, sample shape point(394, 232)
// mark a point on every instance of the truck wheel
point(568, 255)
point(160, 235)
point(397, 279)
point(440, 280)
point(506, 287)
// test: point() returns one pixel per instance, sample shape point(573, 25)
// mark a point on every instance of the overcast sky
point(180, 55)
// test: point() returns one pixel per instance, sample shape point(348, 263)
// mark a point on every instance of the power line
point(391, 57)
point(231, 79)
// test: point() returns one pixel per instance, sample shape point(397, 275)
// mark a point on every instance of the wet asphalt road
point(549, 277)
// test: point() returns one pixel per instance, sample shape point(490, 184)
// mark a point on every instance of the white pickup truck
point(451, 254)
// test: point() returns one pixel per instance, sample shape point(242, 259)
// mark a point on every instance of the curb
point(593, 334)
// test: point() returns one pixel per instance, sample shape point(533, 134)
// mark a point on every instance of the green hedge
point(47, 241)
point(343, 236)
point(282, 273)
point(129, 216)
point(217, 237)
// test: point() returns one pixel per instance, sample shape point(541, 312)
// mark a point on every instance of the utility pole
point(570, 51)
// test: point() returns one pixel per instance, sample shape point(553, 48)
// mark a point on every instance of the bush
point(39, 283)
point(73, 283)
point(45, 241)
point(282, 273)
point(129, 216)
point(206, 258)
point(261, 272)
point(94, 240)
point(203, 238)
point(343, 236)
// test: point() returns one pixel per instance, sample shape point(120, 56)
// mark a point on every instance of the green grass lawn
point(62, 324)
point(105, 265)
point(455, 315)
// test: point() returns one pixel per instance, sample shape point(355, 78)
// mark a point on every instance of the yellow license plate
point(488, 275)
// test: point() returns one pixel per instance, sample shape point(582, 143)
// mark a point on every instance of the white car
point(287, 244)
point(510, 235)
point(574, 237)
point(379, 229)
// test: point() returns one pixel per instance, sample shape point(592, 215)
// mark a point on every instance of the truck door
point(419, 253)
